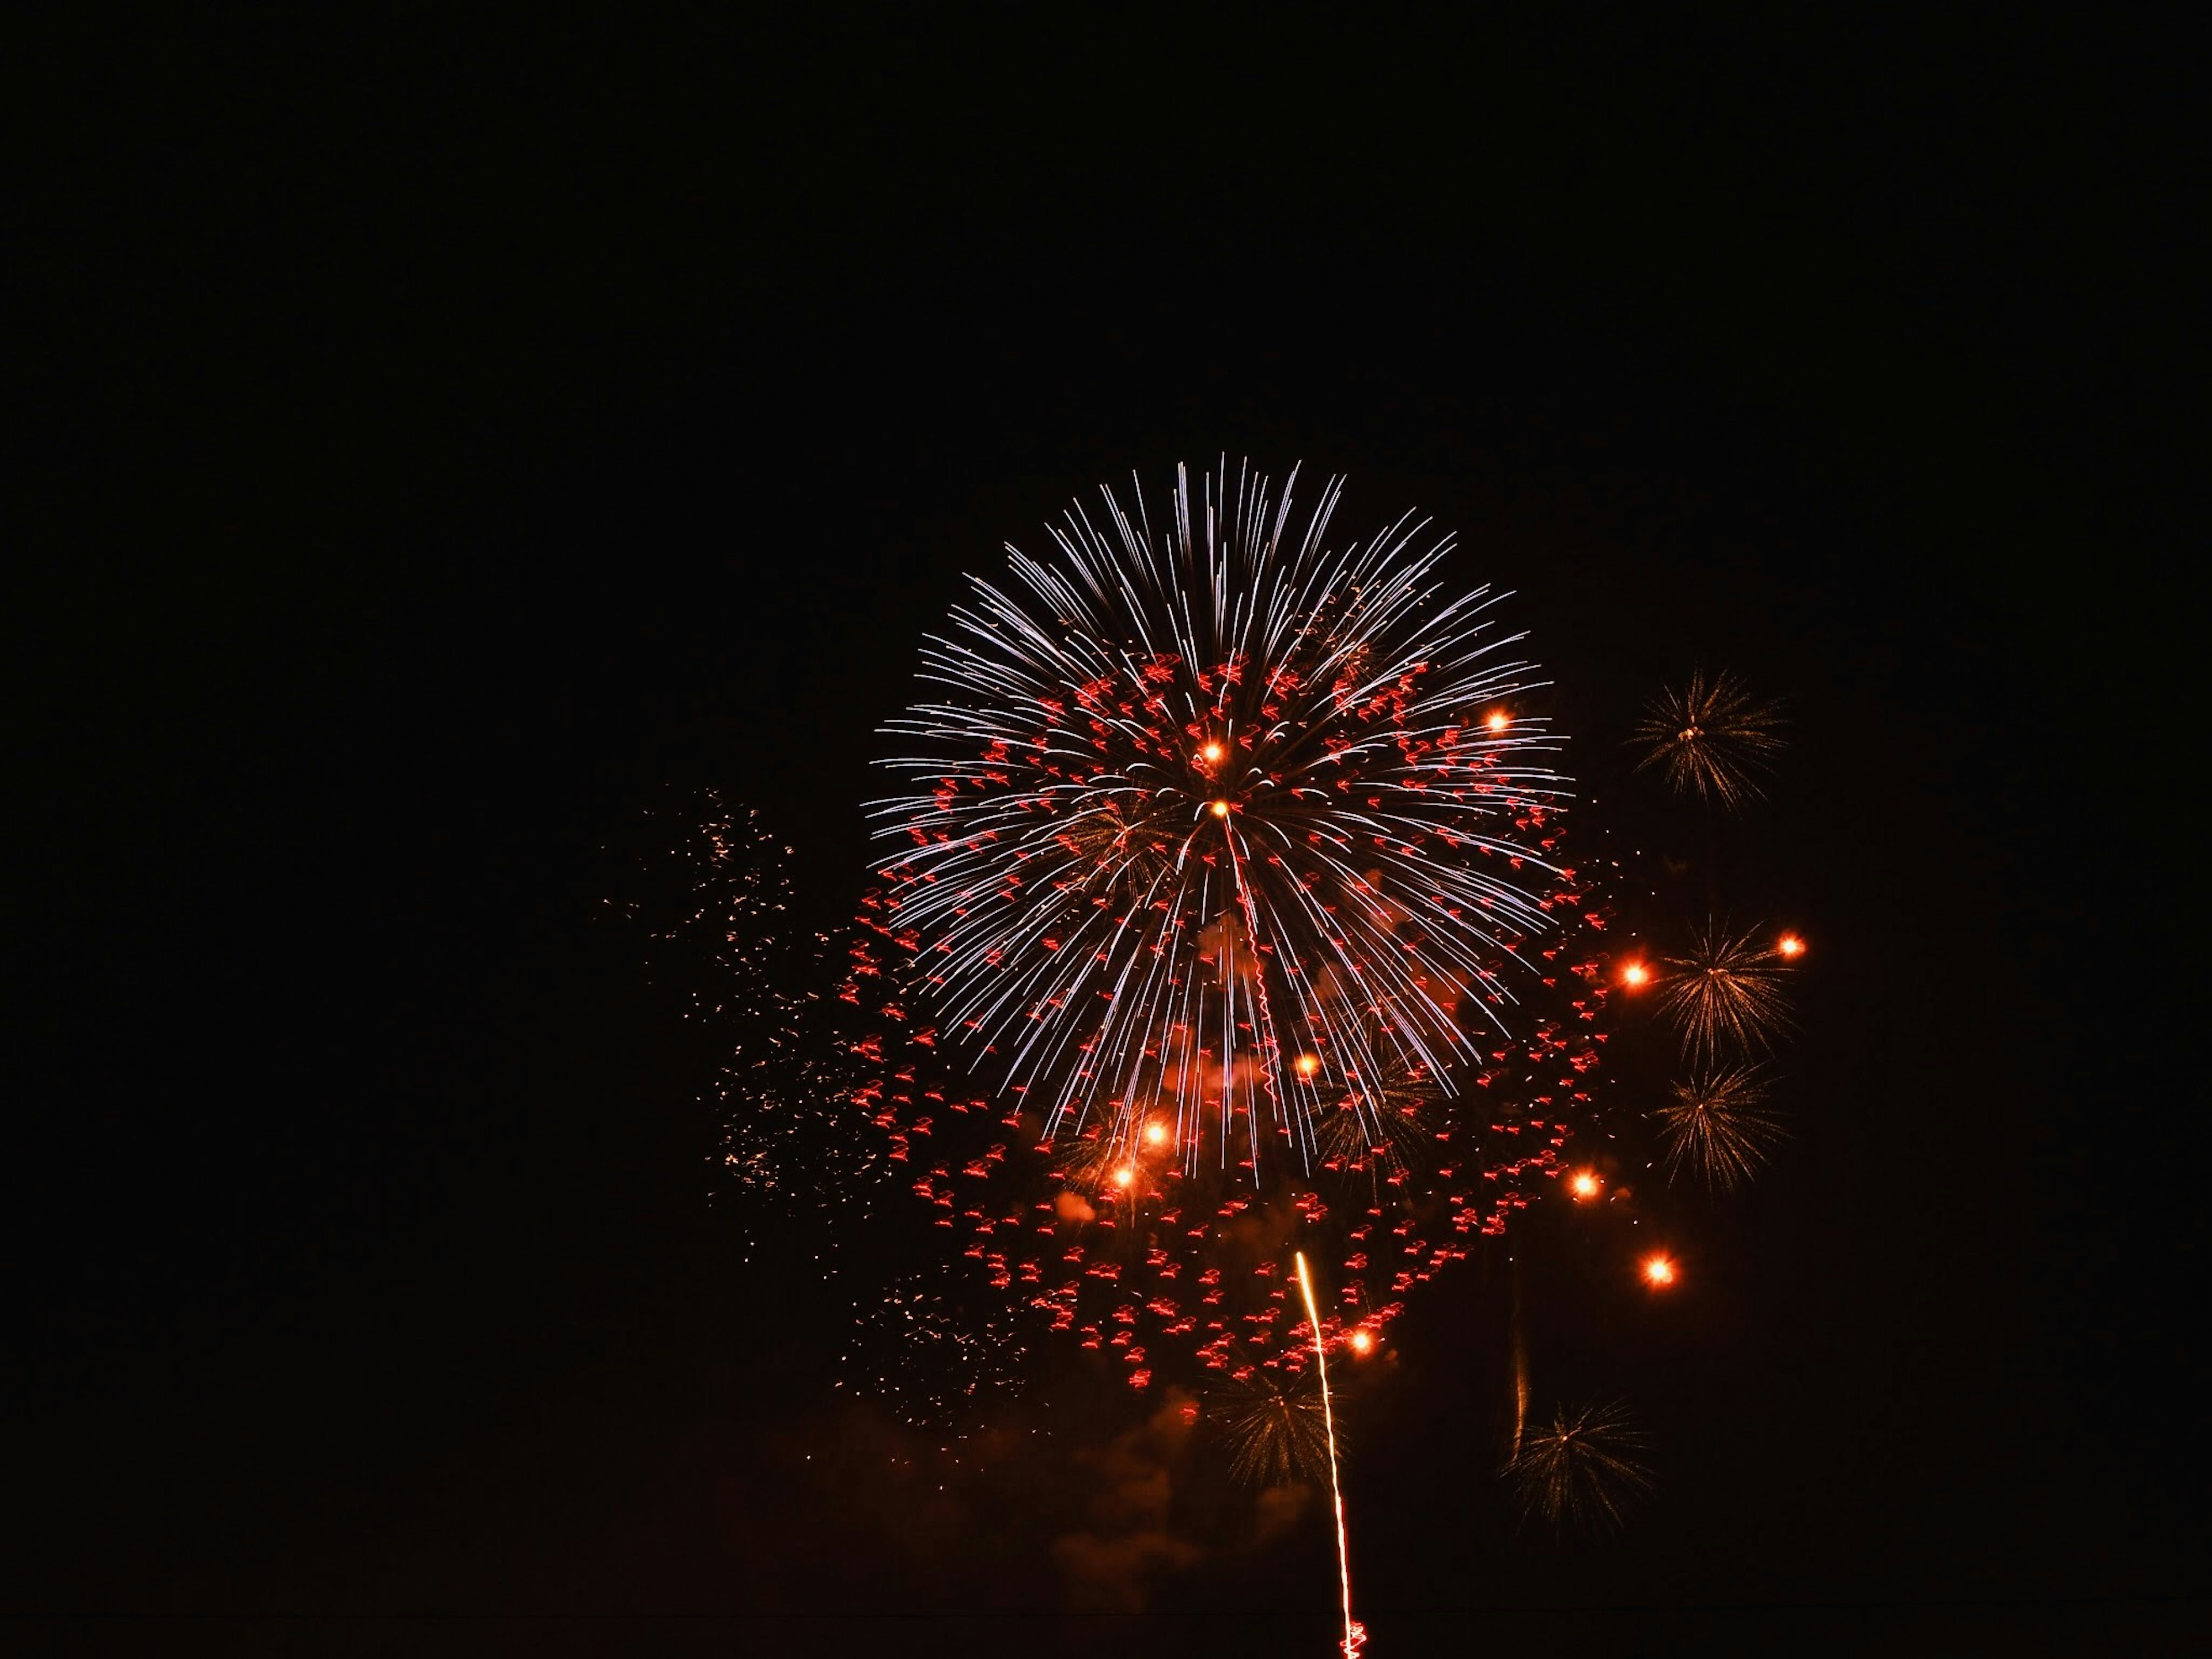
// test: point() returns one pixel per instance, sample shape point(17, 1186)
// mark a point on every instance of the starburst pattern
point(1709, 738)
point(1718, 1125)
point(1582, 1472)
point(1725, 991)
point(1275, 1432)
point(1201, 799)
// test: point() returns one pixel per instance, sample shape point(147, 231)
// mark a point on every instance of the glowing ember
point(1213, 753)
point(1157, 1133)
point(1361, 1342)
point(1658, 1272)
point(1308, 1064)
point(1498, 720)
point(1634, 974)
point(1790, 945)
point(1124, 1175)
point(1584, 1185)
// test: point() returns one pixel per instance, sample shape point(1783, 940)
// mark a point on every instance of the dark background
point(440, 446)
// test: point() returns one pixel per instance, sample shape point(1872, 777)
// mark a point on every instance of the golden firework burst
point(1718, 1125)
point(1580, 1472)
point(1728, 989)
point(1709, 738)
point(1276, 1434)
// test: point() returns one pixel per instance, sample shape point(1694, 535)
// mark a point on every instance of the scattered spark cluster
point(926, 1357)
point(1232, 911)
point(1709, 739)
point(1582, 1472)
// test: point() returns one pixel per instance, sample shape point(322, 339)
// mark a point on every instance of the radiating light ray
point(1709, 738)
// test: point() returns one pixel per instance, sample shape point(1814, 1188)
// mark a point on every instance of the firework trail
point(1709, 738)
point(1354, 1635)
point(1582, 1471)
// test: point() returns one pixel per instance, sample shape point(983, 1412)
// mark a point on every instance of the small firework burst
point(1709, 738)
point(1728, 989)
point(1581, 1472)
point(1276, 1433)
point(1719, 1126)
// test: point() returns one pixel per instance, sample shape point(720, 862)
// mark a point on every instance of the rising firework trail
point(1355, 1635)
point(1217, 826)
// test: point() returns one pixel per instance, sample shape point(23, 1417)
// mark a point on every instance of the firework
point(1581, 1472)
point(1276, 1431)
point(927, 1356)
point(1131, 1048)
point(1727, 990)
point(1718, 1125)
point(1709, 738)
point(1354, 1635)
point(710, 888)
point(1197, 802)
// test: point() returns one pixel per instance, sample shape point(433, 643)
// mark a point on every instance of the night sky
point(445, 453)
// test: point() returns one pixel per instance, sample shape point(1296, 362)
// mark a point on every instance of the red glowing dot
point(1213, 752)
point(1498, 720)
point(1308, 1064)
point(1584, 1184)
point(1790, 945)
point(1658, 1272)
point(1361, 1341)
point(1634, 974)
point(1221, 809)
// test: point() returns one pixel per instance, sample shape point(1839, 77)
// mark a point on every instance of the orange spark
point(1124, 1175)
point(1658, 1272)
point(1790, 945)
point(1221, 809)
point(1498, 720)
point(1308, 1064)
point(1361, 1341)
point(1213, 752)
point(1156, 1132)
point(1584, 1184)
point(1634, 974)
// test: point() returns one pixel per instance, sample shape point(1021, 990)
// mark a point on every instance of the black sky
point(443, 446)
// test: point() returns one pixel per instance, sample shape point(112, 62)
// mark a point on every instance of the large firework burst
point(1582, 1471)
point(1216, 827)
point(1235, 918)
point(1709, 738)
point(1726, 990)
point(1718, 1125)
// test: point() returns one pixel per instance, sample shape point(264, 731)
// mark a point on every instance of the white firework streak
point(1077, 861)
